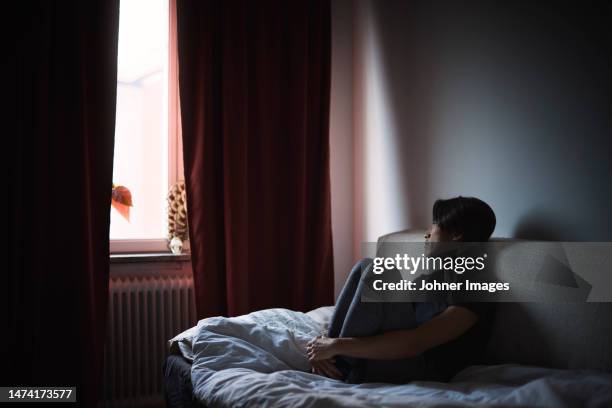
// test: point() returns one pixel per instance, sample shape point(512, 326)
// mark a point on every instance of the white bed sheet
point(259, 360)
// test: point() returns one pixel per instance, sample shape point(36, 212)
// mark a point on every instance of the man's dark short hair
point(469, 217)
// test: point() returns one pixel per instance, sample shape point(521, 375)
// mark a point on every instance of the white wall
point(341, 139)
point(504, 101)
point(379, 193)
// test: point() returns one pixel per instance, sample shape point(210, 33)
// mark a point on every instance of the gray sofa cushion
point(559, 335)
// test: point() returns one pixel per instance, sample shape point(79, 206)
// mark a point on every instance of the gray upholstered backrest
point(560, 335)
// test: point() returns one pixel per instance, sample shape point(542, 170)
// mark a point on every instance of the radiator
point(144, 312)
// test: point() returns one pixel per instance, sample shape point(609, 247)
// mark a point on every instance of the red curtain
point(255, 90)
point(61, 88)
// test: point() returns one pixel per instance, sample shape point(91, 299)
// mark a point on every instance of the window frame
point(175, 144)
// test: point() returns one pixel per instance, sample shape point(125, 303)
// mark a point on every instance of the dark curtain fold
point(255, 91)
point(61, 86)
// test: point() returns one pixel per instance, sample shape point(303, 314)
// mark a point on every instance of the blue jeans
point(353, 318)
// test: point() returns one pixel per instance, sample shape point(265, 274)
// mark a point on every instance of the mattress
point(177, 383)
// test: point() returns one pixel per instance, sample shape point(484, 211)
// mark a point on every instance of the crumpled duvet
point(259, 360)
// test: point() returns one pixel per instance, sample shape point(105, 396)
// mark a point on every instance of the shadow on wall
point(540, 225)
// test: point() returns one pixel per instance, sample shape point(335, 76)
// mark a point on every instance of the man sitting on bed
point(402, 342)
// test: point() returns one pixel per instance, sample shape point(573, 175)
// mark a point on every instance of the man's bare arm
point(447, 326)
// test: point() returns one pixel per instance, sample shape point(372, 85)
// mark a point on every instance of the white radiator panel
point(148, 305)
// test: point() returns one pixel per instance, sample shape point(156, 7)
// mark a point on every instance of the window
point(147, 138)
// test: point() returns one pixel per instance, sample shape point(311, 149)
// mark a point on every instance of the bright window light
point(141, 132)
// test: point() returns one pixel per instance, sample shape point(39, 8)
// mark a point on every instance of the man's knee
point(362, 266)
point(364, 262)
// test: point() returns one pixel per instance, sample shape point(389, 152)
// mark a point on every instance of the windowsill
point(148, 257)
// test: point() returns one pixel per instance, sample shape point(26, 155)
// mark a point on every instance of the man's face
point(434, 235)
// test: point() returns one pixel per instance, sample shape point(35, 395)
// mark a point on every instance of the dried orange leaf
point(122, 195)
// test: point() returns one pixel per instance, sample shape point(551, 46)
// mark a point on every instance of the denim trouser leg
point(344, 301)
point(353, 318)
